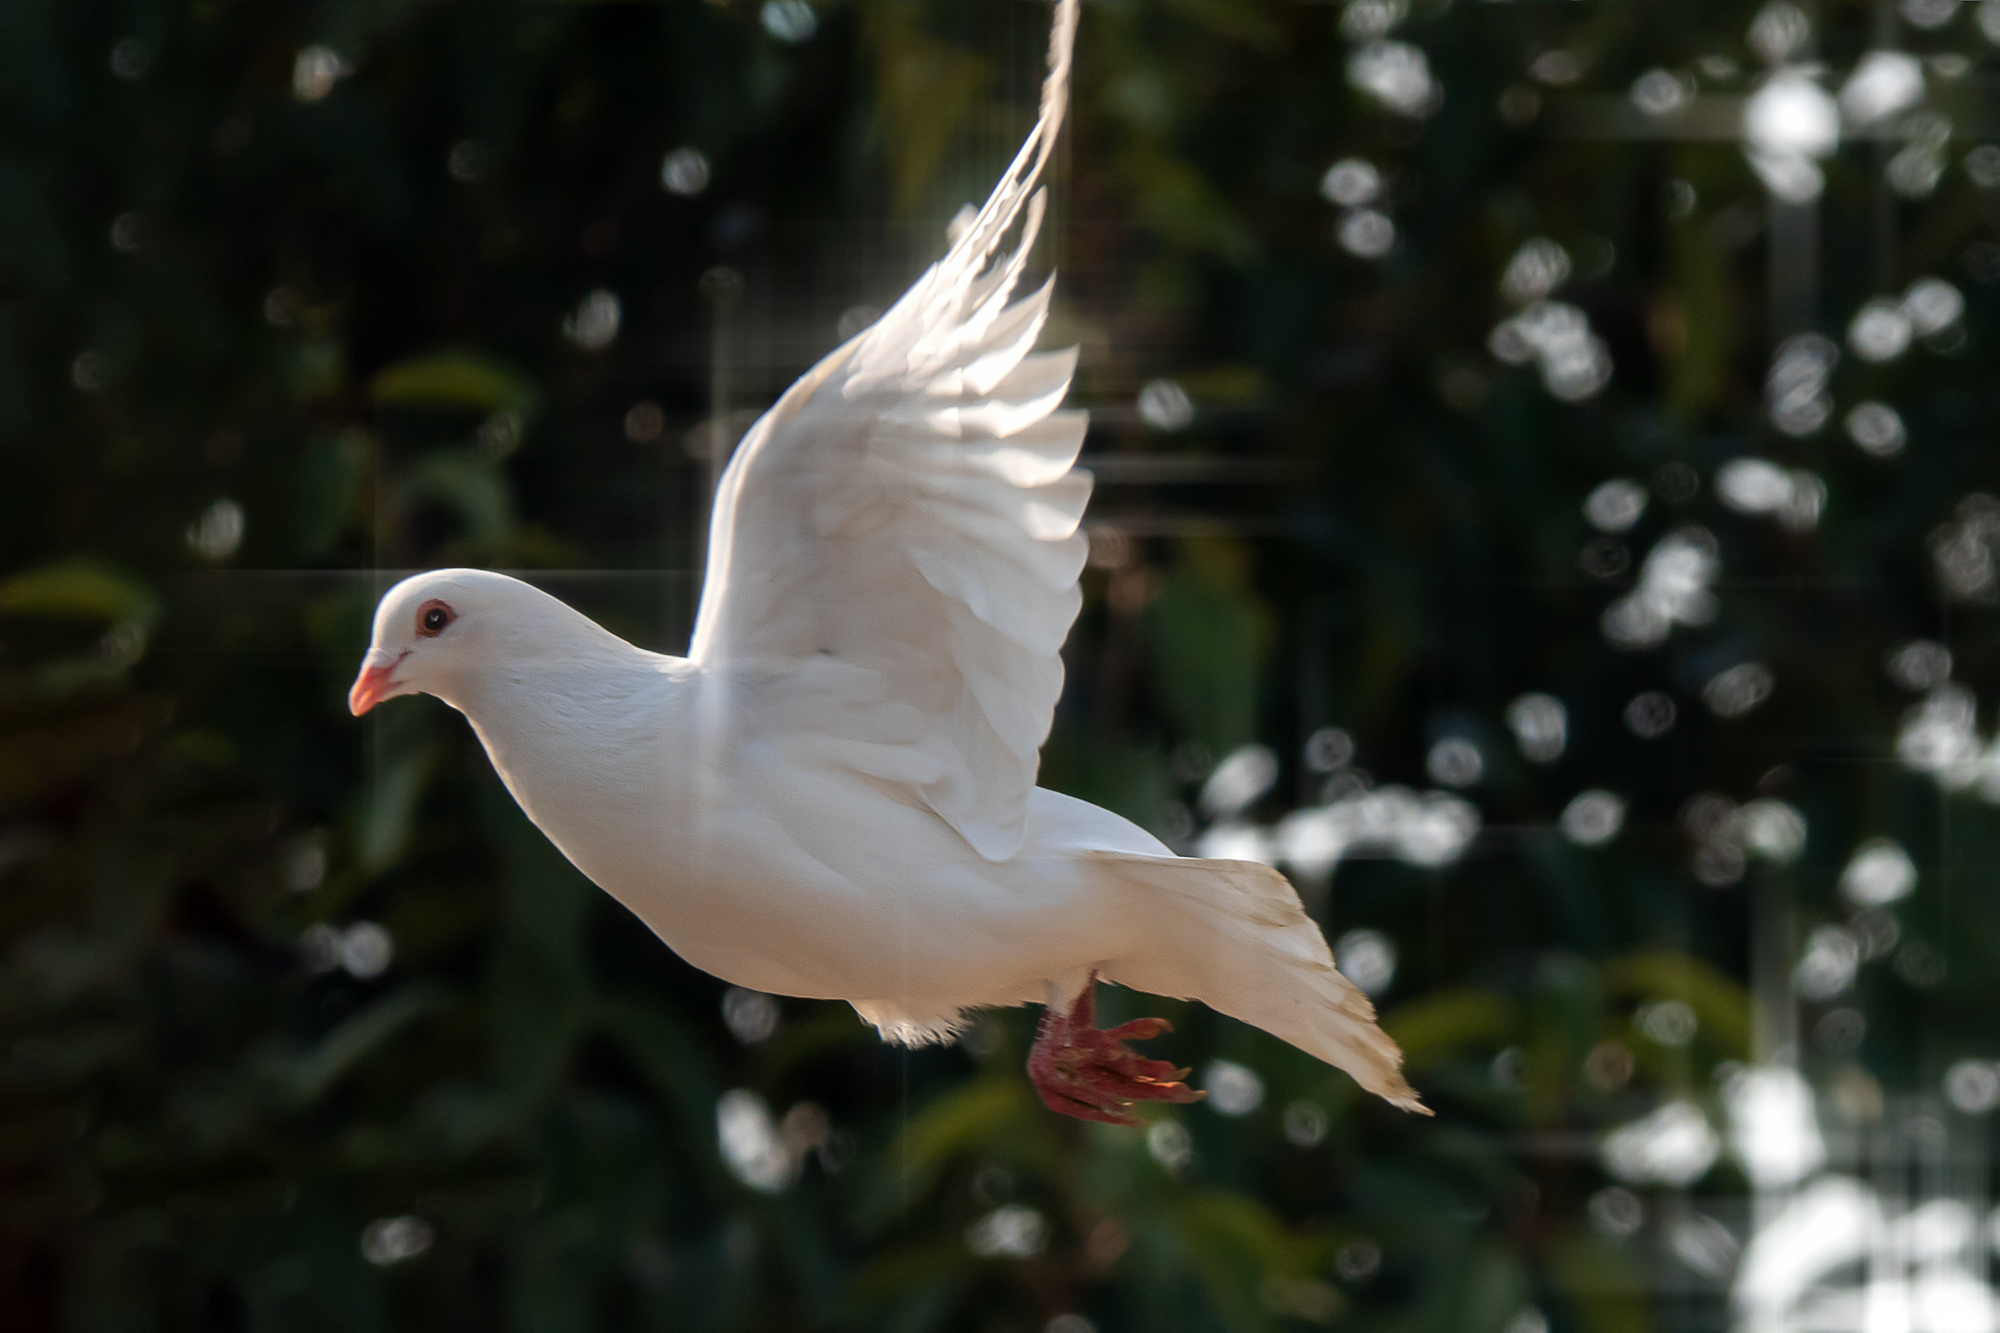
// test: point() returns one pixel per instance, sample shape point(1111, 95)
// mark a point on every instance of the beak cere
point(374, 684)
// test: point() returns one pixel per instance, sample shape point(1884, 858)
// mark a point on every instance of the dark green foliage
point(266, 341)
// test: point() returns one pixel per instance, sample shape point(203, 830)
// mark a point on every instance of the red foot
point(1083, 1071)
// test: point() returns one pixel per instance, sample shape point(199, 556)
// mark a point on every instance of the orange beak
point(374, 684)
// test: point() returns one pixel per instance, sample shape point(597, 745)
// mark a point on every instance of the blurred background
point(1546, 504)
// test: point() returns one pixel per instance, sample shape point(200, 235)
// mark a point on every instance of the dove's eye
point(432, 617)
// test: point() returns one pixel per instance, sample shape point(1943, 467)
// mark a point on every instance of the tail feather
point(1233, 935)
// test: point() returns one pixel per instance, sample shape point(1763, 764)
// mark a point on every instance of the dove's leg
point(1084, 1071)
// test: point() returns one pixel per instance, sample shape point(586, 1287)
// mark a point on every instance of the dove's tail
point(1233, 935)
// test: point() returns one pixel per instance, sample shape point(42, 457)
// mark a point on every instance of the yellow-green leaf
point(454, 378)
point(80, 589)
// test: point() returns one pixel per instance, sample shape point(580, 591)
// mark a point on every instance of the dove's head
point(436, 633)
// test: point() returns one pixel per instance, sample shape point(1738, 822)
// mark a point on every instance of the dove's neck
point(593, 740)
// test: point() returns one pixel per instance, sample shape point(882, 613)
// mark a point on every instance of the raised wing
point(894, 551)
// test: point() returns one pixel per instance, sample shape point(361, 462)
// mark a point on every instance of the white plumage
point(834, 794)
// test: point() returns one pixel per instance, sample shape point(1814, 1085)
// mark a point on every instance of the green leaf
point(1209, 637)
point(1721, 1006)
point(1602, 1282)
point(330, 475)
point(81, 589)
point(310, 1076)
point(463, 379)
point(389, 806)
point(1447, 1023)
point(469, 485)
point(958, 1122)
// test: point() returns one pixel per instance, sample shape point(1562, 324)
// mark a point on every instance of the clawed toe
point(1086, 1072)
point(1139, 1029)
point(1110, 1112)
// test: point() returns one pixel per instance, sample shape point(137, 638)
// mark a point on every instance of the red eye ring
point(432, 617)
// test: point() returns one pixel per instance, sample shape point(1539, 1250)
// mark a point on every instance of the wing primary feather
point(997, 215)
point(1015, 332)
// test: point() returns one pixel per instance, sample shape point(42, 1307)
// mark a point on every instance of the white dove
point(833, 795)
